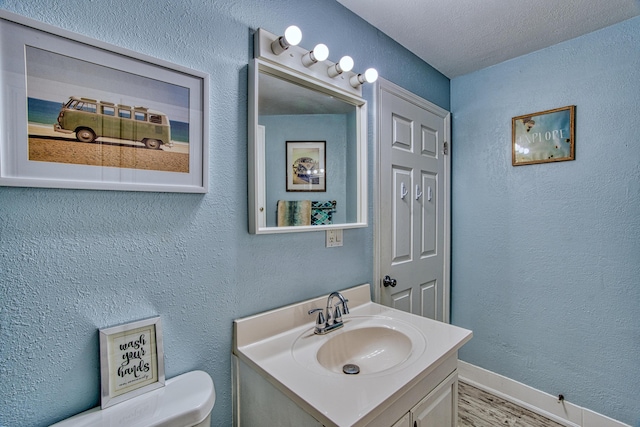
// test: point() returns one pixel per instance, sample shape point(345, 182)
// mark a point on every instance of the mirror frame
point(290, 68)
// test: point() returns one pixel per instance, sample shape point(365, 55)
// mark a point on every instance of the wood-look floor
point(477, 408)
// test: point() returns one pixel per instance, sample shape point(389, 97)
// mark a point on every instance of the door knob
point(388, 281)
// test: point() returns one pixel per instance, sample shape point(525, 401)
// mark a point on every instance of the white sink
point(375, 344)
point(365, 350)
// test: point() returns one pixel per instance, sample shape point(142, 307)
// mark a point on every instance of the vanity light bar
point(284, 50)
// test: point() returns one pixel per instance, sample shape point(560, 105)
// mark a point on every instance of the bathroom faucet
point(333, 318)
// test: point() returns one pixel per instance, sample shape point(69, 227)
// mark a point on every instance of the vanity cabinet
point(438, 409)
point(260, 400)
point(404, 421)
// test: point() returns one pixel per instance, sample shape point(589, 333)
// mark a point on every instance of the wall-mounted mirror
point(307, 152)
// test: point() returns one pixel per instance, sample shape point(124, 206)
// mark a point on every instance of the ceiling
point(457, 37)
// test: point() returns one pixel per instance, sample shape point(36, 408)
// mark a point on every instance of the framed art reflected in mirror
point(306, 166)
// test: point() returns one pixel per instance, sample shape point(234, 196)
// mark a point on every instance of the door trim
point(381, 86)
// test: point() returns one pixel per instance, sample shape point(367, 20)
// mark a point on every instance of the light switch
point(334, 238)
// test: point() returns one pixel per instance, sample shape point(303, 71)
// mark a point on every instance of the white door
point(413, 203)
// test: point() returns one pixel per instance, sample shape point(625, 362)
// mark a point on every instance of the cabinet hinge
point(445, 148)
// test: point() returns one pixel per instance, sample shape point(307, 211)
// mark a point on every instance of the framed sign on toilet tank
point(131, 360)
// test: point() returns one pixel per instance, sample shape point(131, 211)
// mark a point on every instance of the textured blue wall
point(72, 261)
point(546, 258)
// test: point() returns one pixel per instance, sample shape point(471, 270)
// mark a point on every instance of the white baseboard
point(541, 403)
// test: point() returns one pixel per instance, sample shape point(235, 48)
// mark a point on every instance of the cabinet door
point(440, 407)
point(404, 421)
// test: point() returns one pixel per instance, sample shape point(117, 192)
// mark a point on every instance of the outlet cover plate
point(334, 238)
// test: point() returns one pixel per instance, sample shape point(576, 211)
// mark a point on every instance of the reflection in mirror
point(291, 114)
point(308, 153)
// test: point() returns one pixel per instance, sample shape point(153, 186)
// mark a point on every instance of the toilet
point(184, 401)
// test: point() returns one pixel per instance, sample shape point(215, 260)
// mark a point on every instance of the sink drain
point(351, 369)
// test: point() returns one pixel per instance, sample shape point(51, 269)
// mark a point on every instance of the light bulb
point(319, 53)
point(345, 64)
point(369, 76)
point(292, 36)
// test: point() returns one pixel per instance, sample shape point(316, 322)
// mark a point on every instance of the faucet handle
point(320, 319)
point(337, 317)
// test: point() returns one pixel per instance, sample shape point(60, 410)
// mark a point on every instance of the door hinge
point(445, 148)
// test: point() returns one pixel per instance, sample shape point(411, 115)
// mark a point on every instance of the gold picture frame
point(543, 137)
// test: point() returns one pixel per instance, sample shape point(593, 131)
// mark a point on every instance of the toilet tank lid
point(185, 400)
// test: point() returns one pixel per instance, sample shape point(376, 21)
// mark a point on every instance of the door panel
point(402, 300)
point(402, 132)
point(429, 299)
point(429, 142)
point(401, 212)
point(429, 214)
point(412, 211)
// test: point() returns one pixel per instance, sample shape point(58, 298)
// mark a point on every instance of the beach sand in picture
point(46, 145)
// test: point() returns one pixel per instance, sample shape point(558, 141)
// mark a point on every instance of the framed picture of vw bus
point(79, 113)
point(306, 169)
point(131, 360)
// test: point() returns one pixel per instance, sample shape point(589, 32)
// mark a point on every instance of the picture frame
point(306, 166)
point(131, 360)
point(79, 113)
point(543, 137)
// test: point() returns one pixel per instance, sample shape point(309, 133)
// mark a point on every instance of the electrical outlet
point(334, 238)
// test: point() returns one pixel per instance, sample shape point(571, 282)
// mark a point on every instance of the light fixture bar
point(266, 45)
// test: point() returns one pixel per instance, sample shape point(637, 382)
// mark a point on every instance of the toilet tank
point(184, 401)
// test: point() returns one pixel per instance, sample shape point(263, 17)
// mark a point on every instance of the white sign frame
point(131, 360)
